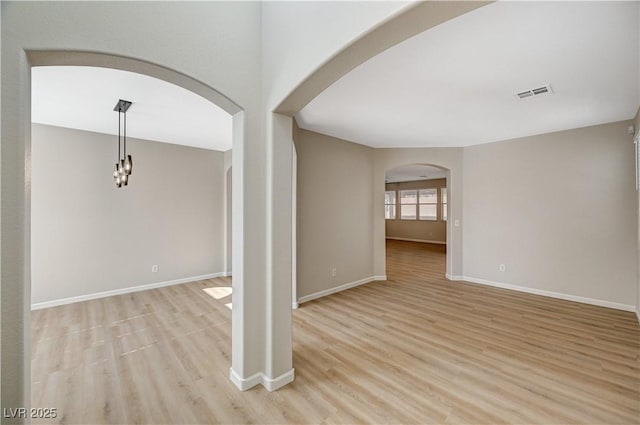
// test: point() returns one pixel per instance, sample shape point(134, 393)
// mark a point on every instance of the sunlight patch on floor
point(218, 292)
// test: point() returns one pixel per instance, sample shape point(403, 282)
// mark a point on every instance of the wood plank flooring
point(414, 349)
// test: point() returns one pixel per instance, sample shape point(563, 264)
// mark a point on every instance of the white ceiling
point(84, 97)
point(408, 173)
point(455, 85)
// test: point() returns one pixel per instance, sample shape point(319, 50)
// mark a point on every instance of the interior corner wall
point(419, 230)
point(88, 236)
point(557, 210)
point(335, 212)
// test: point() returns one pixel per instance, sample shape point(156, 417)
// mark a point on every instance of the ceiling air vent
point(534, 92)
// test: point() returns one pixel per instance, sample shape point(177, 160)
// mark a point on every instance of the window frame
point(444, 213)
point(435, 189)
point(395, 205)
point(417, 204)
point(401, 204)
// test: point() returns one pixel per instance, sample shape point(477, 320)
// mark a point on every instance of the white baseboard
point(349, 285)
point(244, 384)
point(638, 313)
point(340, 288)
point(453, 276)
point(280, 381)
point(552, 294)
point(416, 240)
point(227, 274)
point(87, 297)
point(271, 384)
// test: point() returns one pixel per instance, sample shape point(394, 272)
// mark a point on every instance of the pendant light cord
point(118, 137)
point(125, 136)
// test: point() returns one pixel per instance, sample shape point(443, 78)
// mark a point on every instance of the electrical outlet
point(154, 268)
point(334, 272)
point(503, 268)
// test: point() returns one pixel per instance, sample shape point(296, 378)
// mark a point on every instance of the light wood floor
point(414, 349)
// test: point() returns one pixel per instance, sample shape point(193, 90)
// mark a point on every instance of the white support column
point(248, 254)
point(279, 362)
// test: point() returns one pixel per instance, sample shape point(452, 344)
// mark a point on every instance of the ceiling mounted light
point(124, 163)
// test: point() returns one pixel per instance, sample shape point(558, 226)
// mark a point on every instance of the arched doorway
point(19, 377)
point(448, 161)
point(411, 21)
point(416, 215)
point(15, 290)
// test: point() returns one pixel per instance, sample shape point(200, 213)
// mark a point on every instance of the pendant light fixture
point(124, 163)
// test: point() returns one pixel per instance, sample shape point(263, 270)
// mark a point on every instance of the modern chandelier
point(124, 163)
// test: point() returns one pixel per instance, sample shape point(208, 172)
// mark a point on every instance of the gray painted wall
point(335, 212)
point(89, 236)
point(557, 209)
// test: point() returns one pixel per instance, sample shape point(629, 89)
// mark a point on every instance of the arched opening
point(50, 58)
point(413, 20)
point(354, 248)
point(417, 218)
point(15, 372)
point(102, 60)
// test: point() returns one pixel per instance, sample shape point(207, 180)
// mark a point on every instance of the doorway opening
point(95, 344)
point(416, 218)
